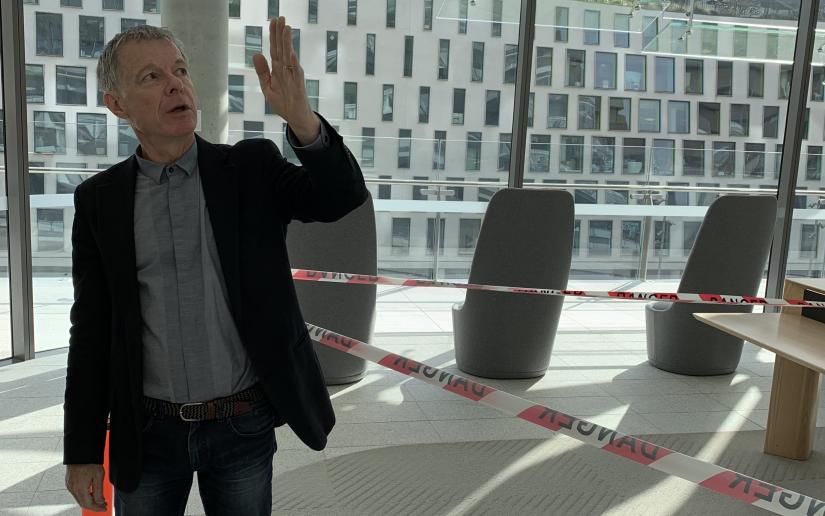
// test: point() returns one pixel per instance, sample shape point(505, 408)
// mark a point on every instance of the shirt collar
point(154, 171)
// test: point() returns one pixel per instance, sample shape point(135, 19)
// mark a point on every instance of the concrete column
point(203, 28)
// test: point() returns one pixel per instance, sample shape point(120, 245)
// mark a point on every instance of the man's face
point(155, 91)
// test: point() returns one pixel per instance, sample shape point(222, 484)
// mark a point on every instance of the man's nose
point(174, 84)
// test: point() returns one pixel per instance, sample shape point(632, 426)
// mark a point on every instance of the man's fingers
point(273, 46)
point(262, 69)
point(286, 45)
point(97, 488)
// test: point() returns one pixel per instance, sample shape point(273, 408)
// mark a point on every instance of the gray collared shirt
point(191, 348)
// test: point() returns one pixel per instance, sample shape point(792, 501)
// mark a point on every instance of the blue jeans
point(232, 456)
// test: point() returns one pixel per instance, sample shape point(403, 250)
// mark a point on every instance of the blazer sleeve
point(329, 185)
point(86, 406)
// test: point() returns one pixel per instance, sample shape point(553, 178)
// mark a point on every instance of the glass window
point(332, 51)
point(631, 237)
point(91, 134)
point(665, 73)
point(557, 111)
point(439, 150)
point(127, 142)
point(273, 8)
point(385, 190)
point(113, 5)
point(617, 196)
point(605, 71)
point(408, 56)
point(404, 147)
point(151, 6)
point(633, 156)
point(808, 240)
point(586, 196)
point(71, 85)
point(428, 14)
point(504, 142)
point(770, 121)
point(575, 67)
point(694, 76)
point(477, 73)
point(387, 100)
point(49, 34)
point(443, 59)
point(620, 117)
point(234, 8)
point(468, 230)
point(49, 132)
point(35, 90)
point(495, 27)
point(649, 33)
point(424, 104)
point(724, 78)
point(400, 235)
point(92, 36)
point(663, 157)
point(740, 119)
point(649, 117)
point(710, 46)
point(621, 28)
point(352, 12)
point(693, 158)
point(740, 41)
point(253, 129)
point(531, 103)
point(312, 11)
point(661, 237)
point(591, 21)
point(600, 240)
point(539, 153)
point(431, 235)
point(128, 23)
point(253, 39)
point(390, 14)
point(571, 154)
point(312, 87)
point(510, 63)
point(708, 118)
point(755, 160)
point(590, 111)
point(724, 159)
point(691, 229)
point(49, 229)
point(544, 66)
point(472, 159)
point(577, 231)
point(813, 170)
point(562, 22)
point(458, 106)
point(603, 157)
point(678, 198)
point(678, 117)
point(785, 72)
point(236, 95)
point(370, 66)
point(756, 80)
point(492, 107)
point(350, 100)
point(635, 73)
point(367, 147)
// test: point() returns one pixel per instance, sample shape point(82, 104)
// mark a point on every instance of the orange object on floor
point(108, 490)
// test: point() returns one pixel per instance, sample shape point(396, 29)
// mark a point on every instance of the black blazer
point(251, 194)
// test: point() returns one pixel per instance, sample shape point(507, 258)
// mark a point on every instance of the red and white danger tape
point(675, 297)
point(727, 482)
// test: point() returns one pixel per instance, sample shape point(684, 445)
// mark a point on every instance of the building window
point(631, 237)
point(539, 153)
point(387, 99)
point(463, 7)
point(504, 141)
point(621, 28)
point(694, 76)
point(92, 34)
point(693, 158)
point(404, 147)
point(510, 63)
point(408, 56)
point(439, 150)
point(493, 100)
point(740, 119)
point(424, 105)
point(724, 159)
point(400, 235)
point(772, 44)
point(390, 14)
point(472, 160)
point(603, 155)
point(577, 232)
point(49, 34)
point(431, 235)
point(312, 87)
point(273, 8)
point(562, 22)
point(332, 51)
point(590, 112)
point(600, 239)
point(71, 85)
point(592, 23)
point(663, 157)
point(575, 68)
point(428, 14)
point(468, 230)
point(755, 159)
point(350, 100)
point(649, 115)
point(236, 95)
point(443, 59)
point(617, 196)
point(477, 66)
point(724, 78)
point(495, 27)
point(756, 80)
point(813, 170)
point(49, 132)
point(368, 147)
point(571, 154)
point(678, 117)
point(740, 41)
point(91, 134)
point(586, 196)
point(49, 229)
point(544, 66)
point(620, 117)
point(605, 71)
point(531, 103)
point(384, 190)
point(785, 72)
point(557, 111)
point(708, 118)
point(312, 11)
point(689, 232)
point(296, 41)
point(113, 5)
point(253, 129)
point(665, 73)
point(127, 142)
point(253, 41)
point(808, 241)
point(458, 106)
point(770, 122)
point(661, 237)
point(35, 90)
point(128, 23)
point(151, 6)
point(651, 30)
point(370, 54)
point(633, 156)
point(352, 12)
point(234, 8)
point(635, 73)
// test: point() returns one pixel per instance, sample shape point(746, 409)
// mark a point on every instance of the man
point(186, 331)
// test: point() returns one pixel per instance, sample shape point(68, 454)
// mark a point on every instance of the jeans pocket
point(258, 421)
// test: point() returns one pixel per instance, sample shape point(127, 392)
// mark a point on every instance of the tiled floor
point(598, 371)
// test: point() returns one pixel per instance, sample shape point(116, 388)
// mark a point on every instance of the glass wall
point(5, 300)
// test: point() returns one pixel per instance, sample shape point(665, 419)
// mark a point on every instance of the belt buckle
point(180, 412)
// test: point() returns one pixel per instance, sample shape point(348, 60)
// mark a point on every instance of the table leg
point(792, 414)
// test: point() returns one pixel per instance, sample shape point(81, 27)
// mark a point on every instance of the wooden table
point(799, 344)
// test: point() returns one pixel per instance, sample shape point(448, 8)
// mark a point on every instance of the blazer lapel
point(220, 189)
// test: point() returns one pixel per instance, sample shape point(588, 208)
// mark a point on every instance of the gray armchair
point(348, 245)
point(526, 240)
point(728, 257)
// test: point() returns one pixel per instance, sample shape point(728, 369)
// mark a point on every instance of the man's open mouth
point(178, 109)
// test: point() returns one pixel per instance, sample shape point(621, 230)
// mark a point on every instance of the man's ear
point(112, 102)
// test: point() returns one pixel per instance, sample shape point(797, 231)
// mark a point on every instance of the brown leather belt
point(220, 408)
